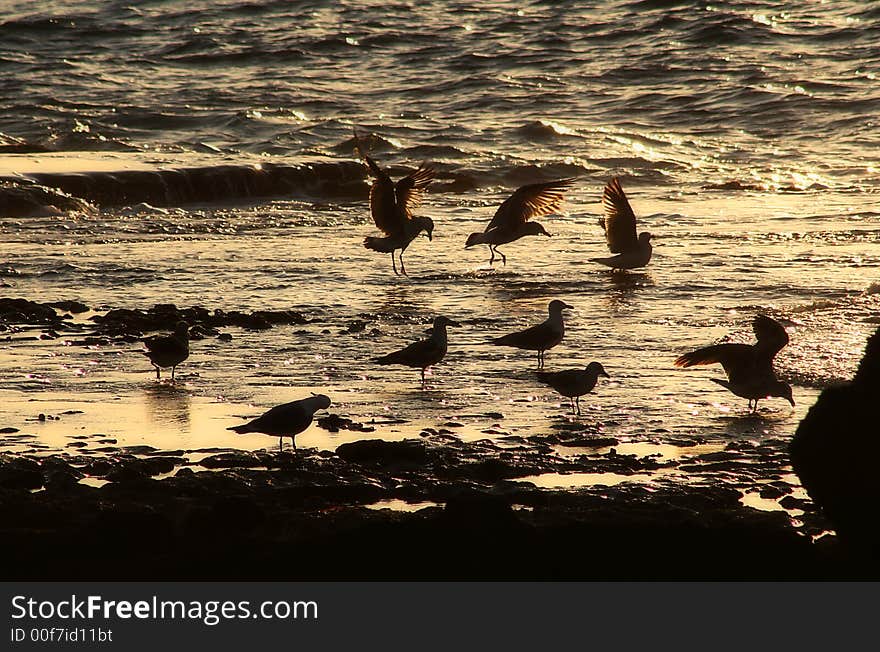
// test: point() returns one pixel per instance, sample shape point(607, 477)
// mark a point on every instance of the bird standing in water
point(168, 350)
point(619, 224)
point(539, 338)
point(392, 206)
point(424, 353)
point(749, 367)
point(287, 420)
point(511, 221)
point(574, 383)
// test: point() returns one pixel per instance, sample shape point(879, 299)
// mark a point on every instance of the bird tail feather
point(378, 244)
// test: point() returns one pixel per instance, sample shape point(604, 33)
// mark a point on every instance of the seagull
point(424, 353)
point(619, 224)
point(749, 367)
point(287, 420)
point(511, 221)
point(392, 208)
point(539, 338)
point(574, 383)
point(168, 350)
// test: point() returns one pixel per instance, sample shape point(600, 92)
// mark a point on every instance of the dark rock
point(20, 473)
point(835, 452)
point(76, 307)
point(335, 423)
point(8, 430)
point(384, 453)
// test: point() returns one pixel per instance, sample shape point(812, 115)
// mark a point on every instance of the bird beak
point(791, 400)
point(547, 234)
point(566, 306)
point(430, 237)
point(453, 323)
point(604, 373)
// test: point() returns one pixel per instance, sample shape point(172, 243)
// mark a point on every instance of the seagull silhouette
point(392, 206)
point(574, 383)
point(424, 353)
point(511, 221)
point(168, 350)
point(539, 338)
point(287, 420)
point(749, 367)
point(619, 224)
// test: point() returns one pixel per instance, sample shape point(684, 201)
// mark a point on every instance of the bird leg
point(491, 255)
point(577, 402)
point(402, 268)
point(423, 378)
point(540, 359)
point(503, 257)
point(394, 264)
point(157, 371)
point(281, 444)
point(173, 368)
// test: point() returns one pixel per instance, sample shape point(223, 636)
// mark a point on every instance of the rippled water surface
point(745, 135)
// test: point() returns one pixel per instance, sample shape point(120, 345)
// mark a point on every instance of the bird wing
point(739, 361)
point(286, 418)
point(619, 221)
point(383, 200)
point(417, 354)
point(532, 200)
point(410, 190)
point(533, 338)
point(771, 335)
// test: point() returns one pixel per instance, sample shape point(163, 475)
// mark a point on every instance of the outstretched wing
point(619, 221)
point(410, 190)
point(532, 200)
point(739, 360)
point(771, 335)
point(383, 201)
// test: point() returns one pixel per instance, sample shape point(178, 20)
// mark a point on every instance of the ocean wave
point(173, 187)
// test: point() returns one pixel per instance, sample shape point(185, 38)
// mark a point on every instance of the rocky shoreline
point(149, 514)
point(432, 507)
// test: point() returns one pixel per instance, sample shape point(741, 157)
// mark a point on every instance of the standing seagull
point(749, 367)
point(392, 205)
point(424, 353)
point(168, 350)
point(539, 338)
point(511, 221)
point(287, 420)
point(619, 225)
point(574, 383)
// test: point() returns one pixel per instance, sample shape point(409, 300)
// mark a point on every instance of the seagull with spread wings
point(619, 224)
point(511, 221)
point(749, 367)
point(392, 207)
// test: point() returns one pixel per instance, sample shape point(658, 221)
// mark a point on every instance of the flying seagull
point(749, 367)
point(392, 206)
point(539, 338)
point(574, 383)
point(511, 221)
point(287, 420)
point(619, 224)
